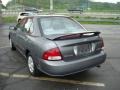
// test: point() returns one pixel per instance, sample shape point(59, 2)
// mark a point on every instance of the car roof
point(26, 12)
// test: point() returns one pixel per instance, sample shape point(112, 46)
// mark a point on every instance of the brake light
point(52, 54)
point(102, 43)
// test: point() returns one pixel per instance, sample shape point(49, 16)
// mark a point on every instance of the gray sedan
point(56, 45)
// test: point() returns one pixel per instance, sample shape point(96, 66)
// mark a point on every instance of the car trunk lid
point(76, 46)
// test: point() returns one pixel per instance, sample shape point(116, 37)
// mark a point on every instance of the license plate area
point(84, 49)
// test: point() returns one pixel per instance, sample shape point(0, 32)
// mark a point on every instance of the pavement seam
point(75, 82)
point(4, 47)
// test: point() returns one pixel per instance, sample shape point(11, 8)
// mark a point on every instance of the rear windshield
point(59, 25)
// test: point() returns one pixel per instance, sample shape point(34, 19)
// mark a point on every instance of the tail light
point(52, 54)
point(101, 43)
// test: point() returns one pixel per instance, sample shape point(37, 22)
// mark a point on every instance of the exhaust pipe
point(99, 66)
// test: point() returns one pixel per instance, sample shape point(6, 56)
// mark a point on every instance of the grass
point(95, 20)
point(9, 19)
point(89, 17)
point(105, 11)
point(13, 20)
point(100, 22)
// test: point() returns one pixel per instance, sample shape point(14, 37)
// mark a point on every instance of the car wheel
point(12, 45)
point(32, 67)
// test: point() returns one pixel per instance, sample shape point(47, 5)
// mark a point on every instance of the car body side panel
point(37, 46)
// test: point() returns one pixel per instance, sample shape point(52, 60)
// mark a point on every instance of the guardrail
point(75, 11)
point(10, 13)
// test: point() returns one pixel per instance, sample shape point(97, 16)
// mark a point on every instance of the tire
point(32, 67)
point(12, 45)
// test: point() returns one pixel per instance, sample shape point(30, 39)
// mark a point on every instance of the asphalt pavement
point(14, 73)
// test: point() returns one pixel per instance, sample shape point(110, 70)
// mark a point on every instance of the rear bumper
point(62, 68)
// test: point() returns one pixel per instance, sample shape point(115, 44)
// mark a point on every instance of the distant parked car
point(24, 14)
point(76, 10)
point(56, 45)
point(34, 10)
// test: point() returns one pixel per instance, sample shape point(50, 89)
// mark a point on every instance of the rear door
point(17, 33)
point(20, 34)
point(26, 30)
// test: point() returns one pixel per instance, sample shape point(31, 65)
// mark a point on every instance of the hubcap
point(30, 64)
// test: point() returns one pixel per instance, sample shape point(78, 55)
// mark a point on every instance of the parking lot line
point(76, 82)
point(4, 47)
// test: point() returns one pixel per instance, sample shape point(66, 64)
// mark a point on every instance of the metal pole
point(87, 4)
point(15, 4)
point(0, 12)
point(51, 5)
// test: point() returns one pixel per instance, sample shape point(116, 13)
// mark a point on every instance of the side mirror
point(12, 28)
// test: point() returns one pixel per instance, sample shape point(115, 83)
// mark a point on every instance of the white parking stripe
point(76, 82)
point(70, 81)
point(20, 76)
point(4, 74)
point(4, 47)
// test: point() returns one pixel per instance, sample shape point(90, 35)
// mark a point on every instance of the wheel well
point(27, 52)
point(19, 20)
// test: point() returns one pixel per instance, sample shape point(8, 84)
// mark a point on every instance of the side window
point(29, 26)
point(21, 23)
